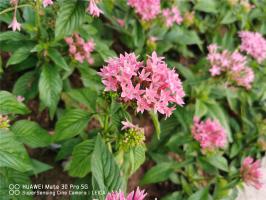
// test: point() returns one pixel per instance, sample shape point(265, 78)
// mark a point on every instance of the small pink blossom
point(134, 195)
point(47, 3)
point(79, 49)
point(152, 86)
point(14, 24)
point(129, 125)
point(147, 9)
point(121, 22)
point(253, 44)
point(250, 172)
point(93, 9)
point(172, 16)
point(210, 134)
point(233, 64)
point(20, 98)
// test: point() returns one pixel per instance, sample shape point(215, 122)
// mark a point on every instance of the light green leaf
point(13, 153)
point(200, 108)
point(218, 161)
point(10, 105)
point(208, 6)
point(31, 134)
point(80, 163)
point(50, 86)
point(200, 195)
point(39, 167)
point(70, 17)
point(105, 171)
point(158, 173)
point(71, 124)
point(11, 35)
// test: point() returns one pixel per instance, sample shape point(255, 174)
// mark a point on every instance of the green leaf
point(229, 18)
point(156, 123)
point(19, 55)
point(105, 171)
point(70, 17)
point(158, 173)
point(104, 50)
point(13, 153)
point(10, 105)
point(80, 163)
point(26, 85)
point(218, 161)
point(50, 86)
point(200, 108)
point(86, 96)
point(11, 35)
point(133, 159)
point(58, 59)
point(208, 6)
point(200, 195)
point(31, 134)
point(39, 167)
point(71, 124)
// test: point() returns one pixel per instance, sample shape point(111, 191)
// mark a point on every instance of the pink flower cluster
point(210, 134)
point(79, 49)
point(233, 64)
point(147, 9)
point(134, 195)
point(47, 3)
point(129, 125)
point(250, 172)
point(93, 9)
point(253, 44)
point(172, 16)
point(152, 86)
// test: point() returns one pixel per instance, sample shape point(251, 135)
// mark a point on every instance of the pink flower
point(47, 3)
point(14, 24)
point(172, 16)
point(20, 98)
point(93, 9)
point(233, 65)
point(121, 22)
point(129, 125)
point(152, 86)
point(147, 9)
point(253, 44)
point(250, 172)
point(13, 2)
point(210, 134)
point(134, 195)
point(79, 49)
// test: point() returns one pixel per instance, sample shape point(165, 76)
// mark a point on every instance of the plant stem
point(13, 8)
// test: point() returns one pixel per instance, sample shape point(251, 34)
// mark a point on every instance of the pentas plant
point(233, 64)
point(172, 15)
point(134, 195)
point(210, 134)
point(251, 173)
point(153, 87)
point(253, 44)
point(147, 9)
point(79, 49)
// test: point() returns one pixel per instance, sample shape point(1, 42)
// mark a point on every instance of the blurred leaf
point(208, 6)
point(200, 195)
point(40, 167)
point(158, 173)
point(229, 18)
point(218, 161)
point(11, 35)
point(200, 108)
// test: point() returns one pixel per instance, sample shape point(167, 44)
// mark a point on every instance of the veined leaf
point(31, 134)
point(80, 164)
point(70, 17)
point(58, 59)
point(105, 171)
point(10, 105)
point(19, 55)
point(71, 124)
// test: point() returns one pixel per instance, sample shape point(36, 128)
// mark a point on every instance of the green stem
point(13, 8)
